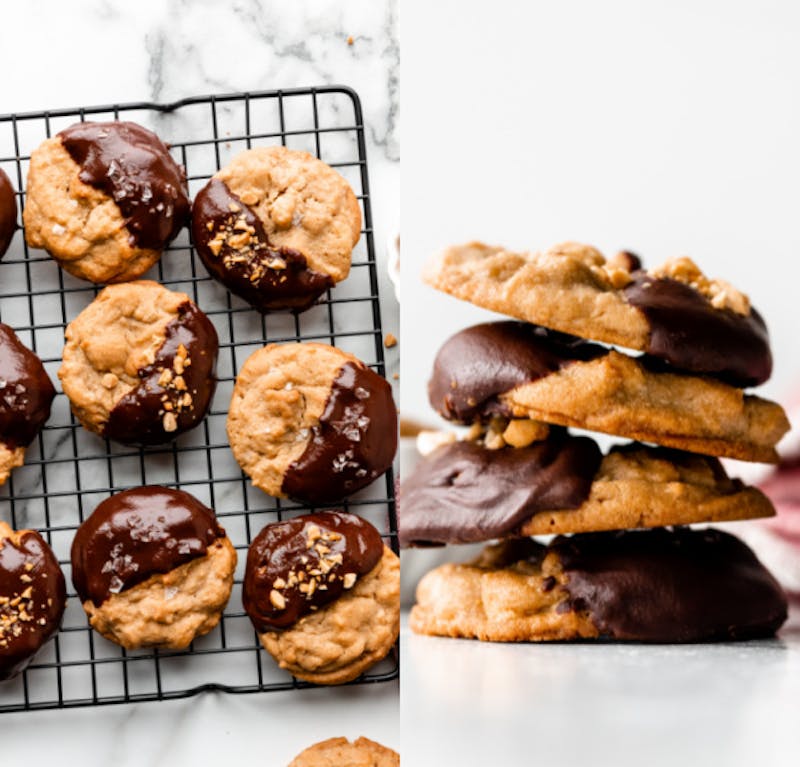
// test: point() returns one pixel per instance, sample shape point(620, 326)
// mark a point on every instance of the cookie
point(32, 597)
point(655, 585)
point(104, 199)
point(673, 313)
point(521, 370)
point(465, 492)
point(8, 212)
point(323, 593)
point(340, 752)
point(26, 394)
point(311, 422)
point(276, 227)
point(139, 362)
point(153, 568)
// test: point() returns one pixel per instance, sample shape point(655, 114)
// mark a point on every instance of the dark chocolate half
point(136, 534)
point(354, 442)
point(26, 391)
point(232, 243)
point(688, 333)
point(176, 390)
point(678, 585)
point(133, 166)
point(32, 599)
point(463, 492)
point(478, 364)
point(8, 212)
point(330, 550)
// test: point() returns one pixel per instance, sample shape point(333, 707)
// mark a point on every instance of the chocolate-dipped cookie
point(516, 369)
point(32, 597)
point(139, 364)
point(323, 593)
point(8, 212)
point(466, 492)
point(311, 422)
point(104, 199)
point(674, 313)
point(152, 567)
point(655, 585)
point(276, 227)
point(26, 394)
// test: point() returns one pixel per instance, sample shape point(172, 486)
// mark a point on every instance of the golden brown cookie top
point(340, 752)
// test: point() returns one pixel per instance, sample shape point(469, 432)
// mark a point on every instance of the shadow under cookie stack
point(624, 564)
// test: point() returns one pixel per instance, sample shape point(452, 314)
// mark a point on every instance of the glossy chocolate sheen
point(354, 442)
point(268, 278)
point(475, 366)
point(670, 586)
point(690, 334)
point(8, 212)
point(138, 417)
point(136, 534)
point(463, 492)
point(286, 557)
point(134, 167)
point(26, 391)
point(32, 599)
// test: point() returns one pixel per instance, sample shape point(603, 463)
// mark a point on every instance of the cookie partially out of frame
point(465, 492)
point(340, 752)
point(674, 313)
point(276, 227)
point(521, 370)
point(311, 422)
point(8, 212)
point(323, 593)
point(655, 585)
point(104, 199)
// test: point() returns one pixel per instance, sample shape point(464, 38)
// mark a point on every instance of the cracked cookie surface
point(340, 752)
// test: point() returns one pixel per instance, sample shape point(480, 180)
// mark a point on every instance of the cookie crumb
point(350, 40)
point(169, 422)
point(390, 340)
point(349, 580)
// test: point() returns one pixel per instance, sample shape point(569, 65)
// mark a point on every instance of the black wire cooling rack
point(68, 471)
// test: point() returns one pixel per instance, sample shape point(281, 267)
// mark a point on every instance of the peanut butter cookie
point(104, 199)
point(138, 365)
point(340, 752)
point(311, 422)
point(153, 568)
point(323, 593)
point(276, 227)
point(8, 212)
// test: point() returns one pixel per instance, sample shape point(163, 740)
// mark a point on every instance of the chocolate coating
point(463, 492)
point(268, 278)
point(333, 545)
point(138, 417)
point(136, 534)
point(690, 334)
point(134, 167)
point(478, 364)
point(31, 577)
point(354, 442)
point(26, 391)
point(8, 212)
point(670, 586)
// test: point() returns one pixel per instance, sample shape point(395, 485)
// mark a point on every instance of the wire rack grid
point(69, 471)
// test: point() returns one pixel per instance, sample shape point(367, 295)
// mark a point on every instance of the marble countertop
point(105, 51)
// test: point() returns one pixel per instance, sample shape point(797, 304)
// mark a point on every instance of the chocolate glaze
point(281, 551)
point(690, 334)
point(354, 442)
point(26, 391)
point(8, 212)
point(670, 586)
point(28, 571)
point(463, 492)
point(478, 364)
point(134, 167)
point(267, 277)
point(136, 534)
point(138, 417)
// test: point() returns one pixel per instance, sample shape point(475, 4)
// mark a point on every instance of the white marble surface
point(93, 52)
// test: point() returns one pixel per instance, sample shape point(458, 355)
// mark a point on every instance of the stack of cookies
point(622, 565)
